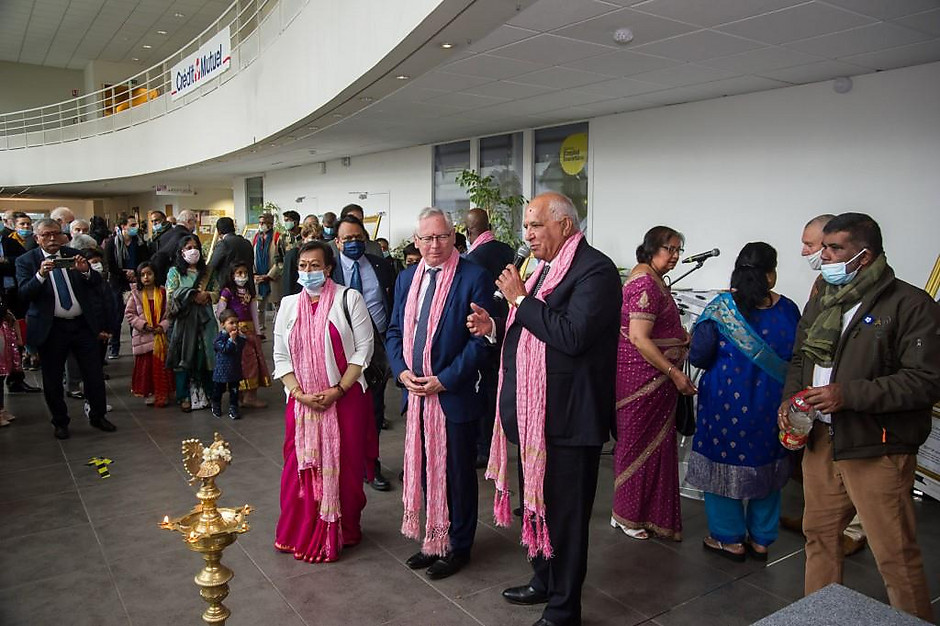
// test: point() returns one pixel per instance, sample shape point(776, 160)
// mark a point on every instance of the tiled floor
point(78, 549)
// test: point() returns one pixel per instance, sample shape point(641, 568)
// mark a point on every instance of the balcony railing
point(252, 24)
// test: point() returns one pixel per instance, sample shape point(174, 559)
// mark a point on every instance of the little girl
point(11, 343)
point(239, 295)
point(146, 313)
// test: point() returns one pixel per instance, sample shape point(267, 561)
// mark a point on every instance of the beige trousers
point(879, 489)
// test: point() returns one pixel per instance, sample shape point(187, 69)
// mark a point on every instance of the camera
point(66, 263)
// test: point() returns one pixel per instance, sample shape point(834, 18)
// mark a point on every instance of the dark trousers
point(569, 489)
point(114, 344)
point(218, 389)
point(76, 337)
point(462, 487)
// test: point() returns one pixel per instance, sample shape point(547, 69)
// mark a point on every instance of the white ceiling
point(70, 33)
point(556, 61)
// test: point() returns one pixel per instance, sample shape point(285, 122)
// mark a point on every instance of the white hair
point(79, 223)
point(561, 206)
point(431, 211)
point(187, 216)
point(83, 242)
point(61, 213)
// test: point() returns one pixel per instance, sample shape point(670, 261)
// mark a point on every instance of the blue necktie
point(421, 330)
point(62, 288)
point(355, 281)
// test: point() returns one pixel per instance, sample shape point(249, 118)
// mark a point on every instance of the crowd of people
point(554, 363)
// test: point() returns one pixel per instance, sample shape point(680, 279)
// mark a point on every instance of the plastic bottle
point(801, 416)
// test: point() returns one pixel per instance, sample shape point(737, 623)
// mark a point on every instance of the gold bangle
point(669, 371)
point(293, 392)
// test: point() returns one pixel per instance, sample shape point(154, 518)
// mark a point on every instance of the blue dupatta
point(732, 325)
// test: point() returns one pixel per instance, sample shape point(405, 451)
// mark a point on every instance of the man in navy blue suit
point(455, 361)
point(64, 316)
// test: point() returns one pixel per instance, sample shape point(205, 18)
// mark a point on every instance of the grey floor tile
point(733, 604)
point(18, 455)
point(262, 604)
point(29, 558)
point(439, 613)
point(76, 598)
point(42, 480)
point(165, 492)
point(39, 513)
point(136, 535)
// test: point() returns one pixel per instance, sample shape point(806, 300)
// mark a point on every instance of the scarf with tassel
point(316, 435)
point(485, 237)
point(436, 538)
point(154, 316)
point(531, 384)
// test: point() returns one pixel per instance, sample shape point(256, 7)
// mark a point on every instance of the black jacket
point(229, 250)
point(493, 256)
point(580, 325)
point(165, 254)
point(116, 277)
point(10, 251)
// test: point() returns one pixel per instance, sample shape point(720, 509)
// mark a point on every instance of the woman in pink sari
point(322, 344)
point(653, 346)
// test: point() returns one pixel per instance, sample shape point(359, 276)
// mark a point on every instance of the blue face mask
point(158, 228)
point(836, 273)
point(354, 249)
point(311, 281)
point(24, 232)
point(132, 232)
point(387, 254)
point(329, 231)
point(67, 228)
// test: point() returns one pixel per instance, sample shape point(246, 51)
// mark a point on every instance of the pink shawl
point(530, 415)
point(316, 435)
point(436, 538)
point(485, 237)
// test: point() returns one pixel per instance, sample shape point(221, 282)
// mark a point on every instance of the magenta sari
point(300, 531)
point(646, 464)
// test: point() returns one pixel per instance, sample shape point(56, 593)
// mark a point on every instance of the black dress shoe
point(380, 483)
point(420, 560)
point(547, 622)
point(61, 432)
point(524, 595)
point(102, 423)
point(23, 387)
point(447, 566)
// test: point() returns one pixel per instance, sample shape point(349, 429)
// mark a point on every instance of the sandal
point(722, 549)
point(634, 533)
point(751, 549)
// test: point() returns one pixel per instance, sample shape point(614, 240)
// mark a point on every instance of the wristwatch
point(518, 301)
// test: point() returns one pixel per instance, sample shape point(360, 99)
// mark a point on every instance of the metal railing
point(253, 25)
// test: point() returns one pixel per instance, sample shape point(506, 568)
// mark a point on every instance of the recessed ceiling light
point(402, 77)
point(367, 99)
point(277, 162)
point(447, 46)
point(161, 32)
point(337, 115)
point(147, 46)
point(134, 59)
point(178, 15)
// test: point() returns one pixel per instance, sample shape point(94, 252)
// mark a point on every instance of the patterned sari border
point(648, 388)
point(667, 428)
point(659, 531)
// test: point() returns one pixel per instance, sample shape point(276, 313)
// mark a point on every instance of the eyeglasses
point(433, 238)
point(351, 238)
point(673, 250)
point(48, 235)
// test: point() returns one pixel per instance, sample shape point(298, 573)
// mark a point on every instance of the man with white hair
point(64, 216)
point(80, 227)
point(556, 399)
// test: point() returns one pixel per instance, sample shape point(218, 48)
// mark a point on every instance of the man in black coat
point(494, 256)
point(230, 249)
point(64, 317)
point(186, 223)
point(579, 322)
point(10, 251)
point(374, 278)
point(123, 252)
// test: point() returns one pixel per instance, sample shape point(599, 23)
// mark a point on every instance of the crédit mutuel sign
point(211, 59)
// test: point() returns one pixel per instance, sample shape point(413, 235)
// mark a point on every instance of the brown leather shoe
point(851, 546)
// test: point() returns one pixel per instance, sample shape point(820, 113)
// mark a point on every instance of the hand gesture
point(233, 335)
point(510, 283)
point(411, 383)
point(430, 385)
point(479, 323)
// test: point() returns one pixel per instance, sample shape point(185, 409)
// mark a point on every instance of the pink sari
point(646, 464)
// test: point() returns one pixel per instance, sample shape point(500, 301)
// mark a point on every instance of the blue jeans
point(731, 520)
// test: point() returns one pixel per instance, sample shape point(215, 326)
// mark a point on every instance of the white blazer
point(357, 340)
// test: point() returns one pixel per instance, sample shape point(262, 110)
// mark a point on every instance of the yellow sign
point(573, 153)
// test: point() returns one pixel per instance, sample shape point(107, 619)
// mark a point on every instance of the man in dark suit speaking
point(64, 316)
point(556, 399)
point(434, 357)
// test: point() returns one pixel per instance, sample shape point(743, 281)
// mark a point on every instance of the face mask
point(191, 255)
point(386, 254)
point(132, 231)
point(289, 225)
point(354, 249)
point(815, 260)
point(264, 228)
point(241, 281)
point(311, 281)
point(836, 274)
point(158, 228)
point(24, 232)
point(98, 267)
point(329, 231)
point(67, 228)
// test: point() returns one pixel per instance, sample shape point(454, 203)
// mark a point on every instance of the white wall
point(758, 166)
point(24, 86)
point(100, 73)
point(404, 175)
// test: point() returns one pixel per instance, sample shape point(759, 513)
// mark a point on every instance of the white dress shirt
point(822, 375)
point(76, 309)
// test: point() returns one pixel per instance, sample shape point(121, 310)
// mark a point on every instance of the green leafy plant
point(485, 193)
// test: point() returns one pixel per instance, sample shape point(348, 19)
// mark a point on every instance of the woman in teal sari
point(743, 342)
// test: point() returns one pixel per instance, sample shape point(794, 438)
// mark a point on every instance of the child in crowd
point(239, 295)
point(95, 258)
point(11, 345)
point(228, 364)
point(146, 314)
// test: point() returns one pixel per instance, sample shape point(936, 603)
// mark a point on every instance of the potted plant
point(485, 193)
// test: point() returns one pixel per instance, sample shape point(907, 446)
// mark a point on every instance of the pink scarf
point(316, 435)
point(436, 538)
point(530, 415)
point(485, 237)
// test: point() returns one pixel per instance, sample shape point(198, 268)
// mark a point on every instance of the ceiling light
point(447, 46)
point(337, 115)
point(402, 77)
point(134, 59)
point(161, 32)
point(147, 46)
point(367, 99)
point(178, 15)
point(623, 36)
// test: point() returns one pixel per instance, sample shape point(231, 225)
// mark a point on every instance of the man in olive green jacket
point(868, 347)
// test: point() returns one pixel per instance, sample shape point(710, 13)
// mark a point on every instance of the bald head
point(477, 223)
point(813, 233)
point(63, 215)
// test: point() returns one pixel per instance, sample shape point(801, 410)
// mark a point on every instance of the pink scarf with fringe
point(485, 237)
point(316, 435)
point(436, 538)
point(531, 386)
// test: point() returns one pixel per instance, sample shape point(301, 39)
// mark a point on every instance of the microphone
point(522, 253)
point(701, 256)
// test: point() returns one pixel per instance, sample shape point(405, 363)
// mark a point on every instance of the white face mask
point(191, 255)
point(98, 267)
point(241, 281)
point(815, 260)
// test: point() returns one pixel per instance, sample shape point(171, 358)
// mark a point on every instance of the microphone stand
point(671, 282)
